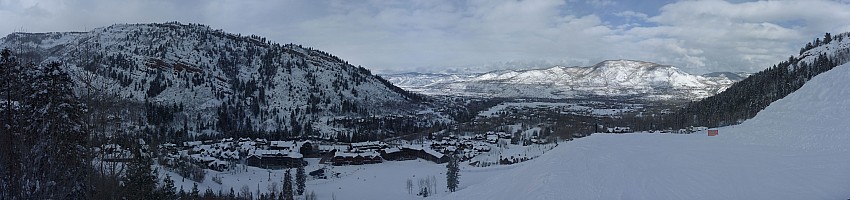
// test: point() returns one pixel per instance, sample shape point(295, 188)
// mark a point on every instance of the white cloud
point(632, 15)
point(391, 35)
point(601, 3)
point(745, 36)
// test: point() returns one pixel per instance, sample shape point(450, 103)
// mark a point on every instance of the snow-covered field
point(376, 181)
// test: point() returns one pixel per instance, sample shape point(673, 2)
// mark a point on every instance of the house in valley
point(274, 159)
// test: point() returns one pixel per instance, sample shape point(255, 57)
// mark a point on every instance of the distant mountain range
point(612, 78)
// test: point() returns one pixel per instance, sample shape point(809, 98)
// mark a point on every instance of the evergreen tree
point(209, 194)
point(168, 191)
point(300, 179)
point(182, 193)
point(827, 38)
point(140, 181)
point(452, 173)
point(10, 127)
point(56, 136)
point(196, 194)
point(287, 186)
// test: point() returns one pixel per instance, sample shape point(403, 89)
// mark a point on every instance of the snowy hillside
point(731, 76)
point(421, 81)
point(794, 149)
point(613, 78)
point(206, 80)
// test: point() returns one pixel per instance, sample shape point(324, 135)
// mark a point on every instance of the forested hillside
point(744, 99)
point(172, 81)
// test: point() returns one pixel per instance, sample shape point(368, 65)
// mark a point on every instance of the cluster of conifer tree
point(43, 138)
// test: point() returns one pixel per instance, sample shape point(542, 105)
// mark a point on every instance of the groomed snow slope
point(797, 148)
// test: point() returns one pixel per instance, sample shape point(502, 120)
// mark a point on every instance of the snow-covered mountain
point(612, 78)
point(202, 79)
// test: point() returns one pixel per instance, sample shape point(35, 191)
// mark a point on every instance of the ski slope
point(797, 148)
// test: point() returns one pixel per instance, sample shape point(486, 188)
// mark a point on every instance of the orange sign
point(712, 132)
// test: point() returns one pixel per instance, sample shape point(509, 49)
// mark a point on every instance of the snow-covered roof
point(202, 158)
point(451, 148)
point(192, 143)
point(433, 152)
point(282, 144)
point(368, 144)
point(427, 150)
point(277, 153)
point(392, 150)
point(355, 154)
point(217, 163)
point(229, 154)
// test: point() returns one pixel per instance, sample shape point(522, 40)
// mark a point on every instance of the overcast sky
point(438, 35)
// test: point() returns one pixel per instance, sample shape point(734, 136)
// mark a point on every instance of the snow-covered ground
point(386, 180)
point(797, 148)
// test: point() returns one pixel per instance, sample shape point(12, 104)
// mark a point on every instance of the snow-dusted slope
point(797, 148)
point(421, 81)
point(209, 73)
point(613, 78)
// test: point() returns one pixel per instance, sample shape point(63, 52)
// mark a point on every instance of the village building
point(370, 145)
point(282, 145)
point(307, 149)
point(274, 159)
point(355, 158)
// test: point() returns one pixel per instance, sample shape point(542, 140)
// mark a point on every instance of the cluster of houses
point(224, 154)
point(357, 153)
point(492, 137)
point(434, 151)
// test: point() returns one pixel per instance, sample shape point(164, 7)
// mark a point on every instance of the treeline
point(744, 99)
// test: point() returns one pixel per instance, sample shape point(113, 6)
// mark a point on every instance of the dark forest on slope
point(744, 99)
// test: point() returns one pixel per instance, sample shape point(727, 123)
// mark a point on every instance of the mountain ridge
point(613, 78)
point(209, 81)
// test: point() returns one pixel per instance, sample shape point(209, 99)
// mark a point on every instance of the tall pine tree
point(300, 179)
point(452, 173)
point(140, 180)
point(167, 190)
point(50, 130)
point(287, 186)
